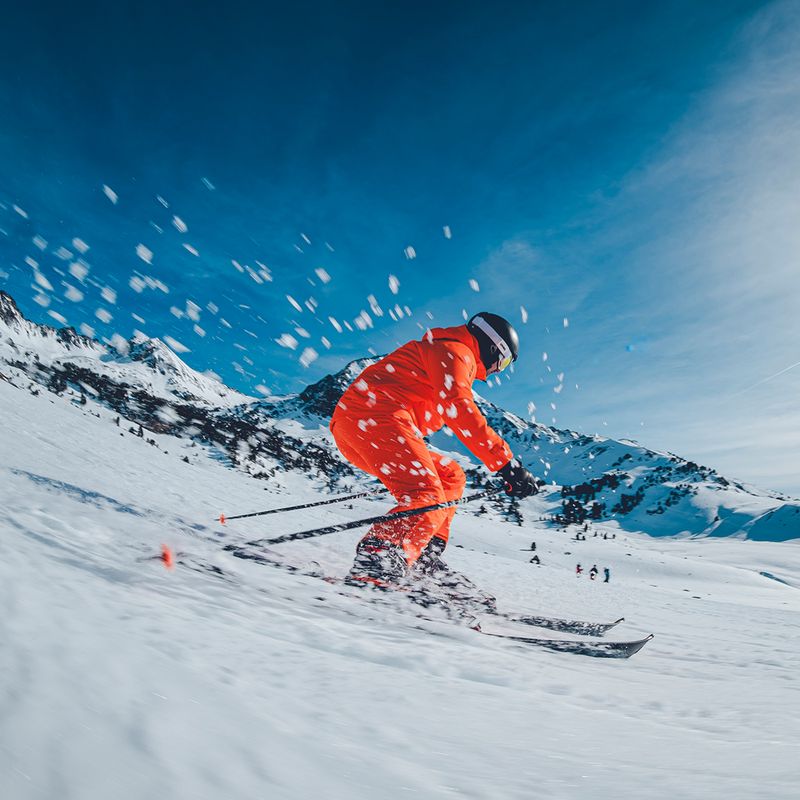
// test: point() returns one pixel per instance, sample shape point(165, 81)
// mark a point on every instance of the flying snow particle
point(264, 271)
point(373, 306)
point(73, 294)
point(410, 253)
point(394, 284)
point(110, 194)
point(109, 295)
point(80, 245)
point(335, 324)
point(192, 311)
point(120, 344)
point(566, 322)
point(176, 312)
point(58, 317)
point(524, 313)
point(323, 275)
point(325, 342)
point(137, 284)
point(177, 346)
point(363, 321)
point(86, 330)
point(302, 333)
point(145, 253)
point(447, 232)
point(21, 211)
point(305, 238)
point(103, 315)
point(162, 201)
point(192, 250)
point(473, 284)
point(179, 224)
point(42, 299)
point(199, 331)
point(330, 247)
point(40, 242)
point(294, 302)
point(210, 186)
point(63, 253)
point(308, 356)
point(544, 356)
point(287, 340)
point(42, 281)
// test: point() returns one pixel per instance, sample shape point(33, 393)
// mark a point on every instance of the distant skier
point(578, 571)
point(535, 560)
point(606, 574)
point(533, 545)
point(378, 426)
point(593, 572)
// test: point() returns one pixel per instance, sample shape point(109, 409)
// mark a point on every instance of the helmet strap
point(496, 340)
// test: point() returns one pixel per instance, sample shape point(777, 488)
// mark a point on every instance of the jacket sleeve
point(451, 369)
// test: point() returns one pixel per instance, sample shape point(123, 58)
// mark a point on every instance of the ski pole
point(357, 523)
point(223, 519)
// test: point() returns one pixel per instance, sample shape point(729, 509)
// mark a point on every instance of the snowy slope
point(123, 679)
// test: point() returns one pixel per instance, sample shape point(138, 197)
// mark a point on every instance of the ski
point(577, 627)
point(371, 594)
point(595, 649)
point(562, 625)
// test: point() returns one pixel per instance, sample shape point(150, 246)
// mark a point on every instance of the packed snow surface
point(121, 678)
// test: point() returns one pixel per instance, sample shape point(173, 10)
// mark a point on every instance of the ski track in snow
point(123, 679)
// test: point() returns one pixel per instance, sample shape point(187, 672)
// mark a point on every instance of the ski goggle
point(502, 364)
point(506, 356)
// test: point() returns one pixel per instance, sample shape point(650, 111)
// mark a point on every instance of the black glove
point(519, 482)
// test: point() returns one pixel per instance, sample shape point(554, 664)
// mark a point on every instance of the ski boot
point(377, 563)
point(432, 576)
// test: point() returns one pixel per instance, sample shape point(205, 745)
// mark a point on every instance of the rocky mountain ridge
point(588, 477)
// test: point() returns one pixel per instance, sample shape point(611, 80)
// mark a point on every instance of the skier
point(535, 560)
point(378, 426)
point(578, 571)
point(593, 572)
point(606, 574)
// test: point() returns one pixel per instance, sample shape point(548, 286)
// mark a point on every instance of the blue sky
point(630, 169)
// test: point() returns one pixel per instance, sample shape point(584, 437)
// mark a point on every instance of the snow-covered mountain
point(589, 477)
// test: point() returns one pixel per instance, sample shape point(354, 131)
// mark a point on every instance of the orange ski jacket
point(431, 379)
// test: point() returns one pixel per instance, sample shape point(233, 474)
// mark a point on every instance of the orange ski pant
point(390, 448)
